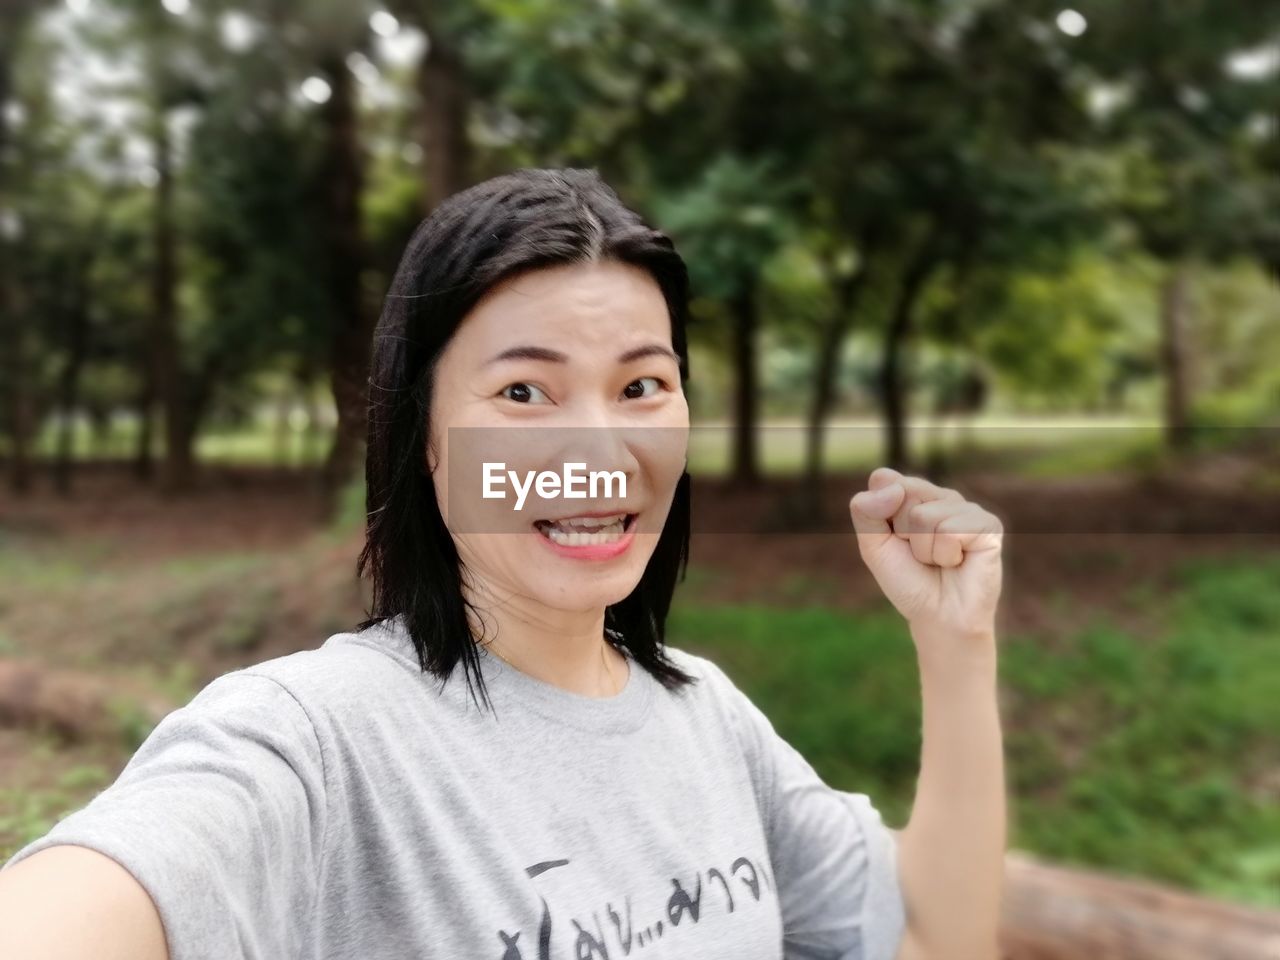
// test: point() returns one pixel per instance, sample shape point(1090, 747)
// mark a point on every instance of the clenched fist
point(935, 554)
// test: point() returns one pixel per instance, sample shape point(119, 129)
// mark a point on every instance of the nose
point(602, 448)
point(600, 438)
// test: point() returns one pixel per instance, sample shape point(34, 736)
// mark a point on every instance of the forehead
point(576, 305)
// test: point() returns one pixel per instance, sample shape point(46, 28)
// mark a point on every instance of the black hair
point(509, 224)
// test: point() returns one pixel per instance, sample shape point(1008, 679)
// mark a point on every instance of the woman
point(605, 794)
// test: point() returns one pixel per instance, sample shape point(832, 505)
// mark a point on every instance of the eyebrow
point(529, 353)
point(555, 356)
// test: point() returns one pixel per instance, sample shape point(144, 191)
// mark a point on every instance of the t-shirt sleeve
point(220, 816)
point(835, 861)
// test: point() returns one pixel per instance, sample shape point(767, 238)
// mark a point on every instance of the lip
point(593, 551)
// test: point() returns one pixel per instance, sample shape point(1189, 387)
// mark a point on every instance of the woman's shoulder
point(731, 702)
point(699, 665)
point(347, 669)
point(714, 685)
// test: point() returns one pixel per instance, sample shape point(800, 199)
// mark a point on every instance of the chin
point(584, 590)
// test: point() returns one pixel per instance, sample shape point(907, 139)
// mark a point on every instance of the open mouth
point(586, 531)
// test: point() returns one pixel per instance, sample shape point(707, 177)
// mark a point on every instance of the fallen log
point(76, 705)
point(1059, 913)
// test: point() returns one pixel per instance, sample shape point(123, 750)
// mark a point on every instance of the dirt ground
point(230, 509)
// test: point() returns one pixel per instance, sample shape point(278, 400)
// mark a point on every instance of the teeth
point(591, 523)
point(574, 532)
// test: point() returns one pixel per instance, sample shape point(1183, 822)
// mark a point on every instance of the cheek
point(473, 483)
point(664, 454)
point(498, 558)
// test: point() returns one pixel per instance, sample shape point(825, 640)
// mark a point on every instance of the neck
point(566, 648)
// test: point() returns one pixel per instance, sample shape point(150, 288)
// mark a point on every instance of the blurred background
point(1024, 250)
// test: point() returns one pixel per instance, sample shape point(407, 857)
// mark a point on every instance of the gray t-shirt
point(339, 804)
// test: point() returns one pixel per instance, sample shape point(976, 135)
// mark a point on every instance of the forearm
point(951, 853)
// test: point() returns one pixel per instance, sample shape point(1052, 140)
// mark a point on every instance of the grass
point(1090, 454)
point(47, 789)
point(1150, 757)
point(29, 814)
point(1028, 446)
point(256, 443)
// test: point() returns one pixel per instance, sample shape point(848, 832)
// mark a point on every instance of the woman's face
point(571, 364)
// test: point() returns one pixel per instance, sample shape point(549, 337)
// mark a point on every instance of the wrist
point(955, 652)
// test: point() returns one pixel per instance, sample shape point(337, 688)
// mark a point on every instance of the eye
point(630, 393)
point(523, 393)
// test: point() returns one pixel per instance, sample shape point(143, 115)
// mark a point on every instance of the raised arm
point(936, 556)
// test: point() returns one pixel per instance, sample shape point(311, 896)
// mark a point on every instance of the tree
point(729, 224)
point(443, 95)
point(1180, 113)
point(14, 17)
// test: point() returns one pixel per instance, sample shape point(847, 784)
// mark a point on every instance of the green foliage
point(84, 776)
point(31, 813)
point(730, 222)
point(258, 260)
point(132, 722)
point(780, 143)
point(1076, 334)
point(1237, 328)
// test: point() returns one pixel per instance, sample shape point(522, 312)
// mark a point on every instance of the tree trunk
point(744, 307)
point(835, 330)
point(353, 327)
point(1174, 315)
point(101, 444)
point(283, 430)
point(77, 705)
point(143, 464)
point(177, 469)
point(443, 105)
point(17, 402)
point(308, 449)
point(1053, 913)
point(893, 392)
point(77, 350)
point(69, 387)
point(442, 85)
point(182, 438)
